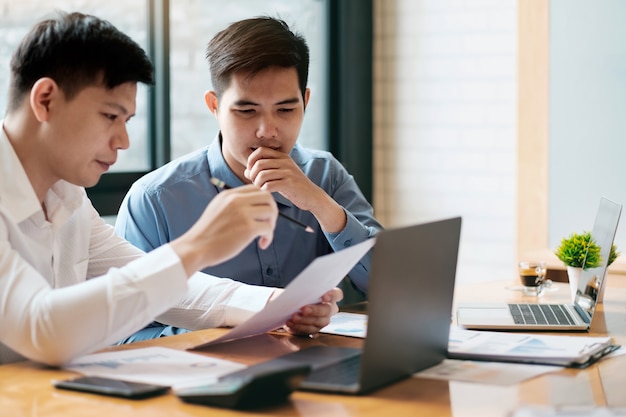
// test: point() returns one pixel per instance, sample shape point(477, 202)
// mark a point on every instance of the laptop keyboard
point(345, 372)
point(549, 314)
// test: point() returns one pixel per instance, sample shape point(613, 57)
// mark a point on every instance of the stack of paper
point(562, 350)
point(155, 365)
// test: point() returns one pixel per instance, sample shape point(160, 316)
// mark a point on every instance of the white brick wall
point(444, 116)
point(445, 133)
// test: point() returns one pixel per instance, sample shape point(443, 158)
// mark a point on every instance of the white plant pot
point(573, 274)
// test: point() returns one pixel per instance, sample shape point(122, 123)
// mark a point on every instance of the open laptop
point(409, 313)
point(568, 317)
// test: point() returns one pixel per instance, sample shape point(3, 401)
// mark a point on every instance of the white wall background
point(445, 105)
point(445, 123)
point(587, 108)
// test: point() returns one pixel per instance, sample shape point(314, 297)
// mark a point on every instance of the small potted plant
point(579, 251)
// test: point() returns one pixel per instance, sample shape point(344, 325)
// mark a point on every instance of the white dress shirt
point(69, 285)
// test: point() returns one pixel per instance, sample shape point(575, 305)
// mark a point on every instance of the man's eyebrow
point(294, 100)
point(245, 103)
point(119, 107)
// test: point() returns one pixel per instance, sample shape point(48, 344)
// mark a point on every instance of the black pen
point(221, 184)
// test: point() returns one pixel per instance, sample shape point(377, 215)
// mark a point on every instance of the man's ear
point(210, 98)
point(307, 96)
point(43, 92)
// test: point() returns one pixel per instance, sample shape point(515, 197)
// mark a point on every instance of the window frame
point(350, 88)
point(349, 98)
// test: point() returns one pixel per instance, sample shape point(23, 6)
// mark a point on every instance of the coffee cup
point(532, 275)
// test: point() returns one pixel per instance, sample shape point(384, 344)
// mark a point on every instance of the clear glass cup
point(532, 276)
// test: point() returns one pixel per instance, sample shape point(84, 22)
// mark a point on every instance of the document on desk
point(492, 373)
point(154, 365)
point(569, 411)
point(320, 276)
point(347, 324)
point(561, 350)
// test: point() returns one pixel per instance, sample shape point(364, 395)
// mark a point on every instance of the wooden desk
point(25, 388)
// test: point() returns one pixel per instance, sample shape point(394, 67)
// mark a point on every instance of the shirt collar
point(17, 195)
point(220, 169)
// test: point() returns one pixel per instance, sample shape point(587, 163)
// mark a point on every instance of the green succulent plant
point(580, 249)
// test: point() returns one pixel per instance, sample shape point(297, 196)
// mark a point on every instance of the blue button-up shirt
point(165, 203)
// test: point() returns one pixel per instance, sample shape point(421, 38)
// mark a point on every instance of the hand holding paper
point(323, 274)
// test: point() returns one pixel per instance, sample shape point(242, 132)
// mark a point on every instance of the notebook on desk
point(409, 307)
point(576, 316)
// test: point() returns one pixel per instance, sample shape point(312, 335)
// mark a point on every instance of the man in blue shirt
point(259, 71)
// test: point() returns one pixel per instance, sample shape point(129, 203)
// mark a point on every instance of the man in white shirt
point(68, 284)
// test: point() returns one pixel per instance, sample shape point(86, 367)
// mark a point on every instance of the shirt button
point(269, 271)
point(347, 243)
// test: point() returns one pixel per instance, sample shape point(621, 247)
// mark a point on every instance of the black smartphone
point(110, 386)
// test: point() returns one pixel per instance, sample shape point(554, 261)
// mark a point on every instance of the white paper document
point(586, 411)
point(320, 276)
point(562, 350)
point(347, 324)
point(494, 373)
point(155, 365)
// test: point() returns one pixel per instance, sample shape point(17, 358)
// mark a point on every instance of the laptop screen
point(592, 280)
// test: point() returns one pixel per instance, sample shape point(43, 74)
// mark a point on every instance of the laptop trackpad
point(320, 356)
point(498, 314)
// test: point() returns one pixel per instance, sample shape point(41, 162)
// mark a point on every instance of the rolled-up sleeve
point(214, 301)
point(54, 326)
